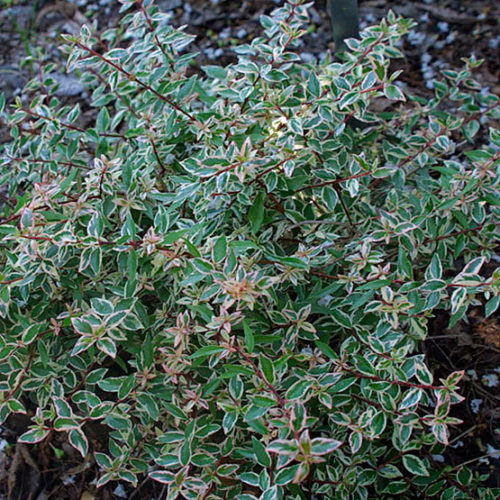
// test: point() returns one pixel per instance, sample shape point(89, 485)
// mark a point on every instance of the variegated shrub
point(229, 280)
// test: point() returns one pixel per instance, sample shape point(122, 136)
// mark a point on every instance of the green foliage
point(232, 282)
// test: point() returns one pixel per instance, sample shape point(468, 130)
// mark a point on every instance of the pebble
point(494, 43)
point(241, 33)
point(70, 28)
point(21, 14)
point(119, 491)
point(225, 34)
point(451, 37)
point(324, 301)
point(167, 5)
point(12, 80)
point(443, 27)
point(416, 37)
point(212, 53)
point(490, 380)
point(315, 17)
point(370, 18)
point(475, 404)
point(69, 86)
point(308, 57)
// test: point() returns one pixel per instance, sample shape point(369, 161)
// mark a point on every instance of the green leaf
point(394, 93)
point(102, 306)
point(491, 306)
point(103, 120)
point(33, 436)
point(162, 476)
point(298, 389)
point(173, 236)
point(415, 465)
point(411, 399)
point(15, 406)
point(78, 440)
point(185, 453)
point(267, 368)
point(286, 475)
point(107, 346)
point(206, 351)
point(283, 447)
point(341, 318)
point(374, 285)
point(249, 337)
point(216, 72)
point(256, 213)
point(65, 424)
point(220, 249)
point(229, 421)
point(326, 350)
point(126, 387)
point(262, 456)
point(31, 333)
point(250, 478)
point(313, 85)
point(473, 267)
point(324, 446)
point(435, 269)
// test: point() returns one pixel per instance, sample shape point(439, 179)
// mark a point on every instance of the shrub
point(229, 284)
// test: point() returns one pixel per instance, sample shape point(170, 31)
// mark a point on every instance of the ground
point(446, 31)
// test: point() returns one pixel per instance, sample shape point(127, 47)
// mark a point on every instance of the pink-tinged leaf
point(82, 345)
point(34, 436)
point(15, 406)
point(285, 476)
point(415, 465)
point(323, 446)
point(103, 460)
point(473, 266)
point(283, 447)
point(63, 409)
point(107, 346)
point(65, 424)
point(227, 469)
point(440, 432)
point(355, 441)
point(79, 441)
point(162, 476)
point(454, 378)
point(301, 473)
point(411, 399)
point(105, 478)
point(128, 476)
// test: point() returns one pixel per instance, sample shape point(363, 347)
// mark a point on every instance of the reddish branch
point(133, 78)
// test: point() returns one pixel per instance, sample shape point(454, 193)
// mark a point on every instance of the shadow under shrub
point(233, 281)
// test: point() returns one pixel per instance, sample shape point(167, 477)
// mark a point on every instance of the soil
point(446, 31)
